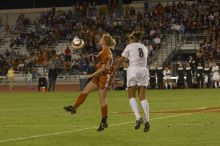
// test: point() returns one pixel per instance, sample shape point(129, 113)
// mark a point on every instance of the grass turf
point(38, 119)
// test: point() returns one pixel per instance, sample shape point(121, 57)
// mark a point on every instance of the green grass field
point(38, 119)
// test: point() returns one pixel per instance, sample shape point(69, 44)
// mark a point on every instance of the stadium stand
point(41, 36)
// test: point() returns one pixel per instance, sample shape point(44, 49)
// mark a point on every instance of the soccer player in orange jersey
point(100, 80)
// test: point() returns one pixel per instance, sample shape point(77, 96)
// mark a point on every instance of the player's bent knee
point(85, 92)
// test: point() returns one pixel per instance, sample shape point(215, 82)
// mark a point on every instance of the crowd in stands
point(90, 20)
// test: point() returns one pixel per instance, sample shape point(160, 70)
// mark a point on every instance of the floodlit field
point(178, 118)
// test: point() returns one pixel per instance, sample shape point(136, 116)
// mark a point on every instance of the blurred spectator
point(152, 75)
point(34, 74)
point(67, 63)
point(11, 76)
point(67, 51)
point(180, 75)
point(7, 53)
point(167, 78)
point(84, 8)
point(77, 8)
point(215, 75)
point(200, 75)
point(192, 64)
point(42, 83)
point(189, 75)
point(92, 9)
point(115, 6)
point(207, 76)
point(29, 79)
point(160, 77)
point(120, 11)
point(52, 77)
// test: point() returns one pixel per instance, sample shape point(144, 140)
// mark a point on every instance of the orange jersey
point(105, 57)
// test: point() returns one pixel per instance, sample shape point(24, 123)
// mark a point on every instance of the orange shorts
point(102, 81)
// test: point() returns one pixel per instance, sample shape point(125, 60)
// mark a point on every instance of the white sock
point(170, 85)
point(145, 107)
point(216, 85)
point(134, 107)
point(166, 85)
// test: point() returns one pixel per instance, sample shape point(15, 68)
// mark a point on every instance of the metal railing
point(168, 46)
point(172, 44)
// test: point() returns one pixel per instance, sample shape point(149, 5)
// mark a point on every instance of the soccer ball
point(77, 43)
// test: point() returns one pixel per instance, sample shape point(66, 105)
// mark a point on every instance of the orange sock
point(80, 99)
point(104, 110)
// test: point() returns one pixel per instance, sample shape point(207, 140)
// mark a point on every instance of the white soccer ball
point(77, 43)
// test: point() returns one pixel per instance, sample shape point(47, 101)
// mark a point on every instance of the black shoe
point(70, 109)
point(102, 126)
point(147, 127)
point(138, 123)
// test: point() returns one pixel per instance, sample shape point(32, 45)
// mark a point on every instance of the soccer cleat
point(138, 123)
point(102, 126)
point(70, 109)
point(147, 127)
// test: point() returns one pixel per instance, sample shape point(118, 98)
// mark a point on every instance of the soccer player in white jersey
point(215, 75)
point(137, 76)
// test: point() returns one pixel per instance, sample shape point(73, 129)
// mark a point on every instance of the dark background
point(18, 4)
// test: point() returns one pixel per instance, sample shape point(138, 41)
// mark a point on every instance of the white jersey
point(137, 54)
point(167, 74)
point(215, 70)
point(137, 72)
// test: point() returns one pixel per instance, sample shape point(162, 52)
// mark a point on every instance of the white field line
point(5, 117)
point(43, 135)
point(57, 126)
point(38, 126)
point(82, 129)
point(197, 124)
point(21, 109)
point(88, 128)
point(42, 108)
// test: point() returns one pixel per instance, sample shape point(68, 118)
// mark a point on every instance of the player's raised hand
point(89, 76)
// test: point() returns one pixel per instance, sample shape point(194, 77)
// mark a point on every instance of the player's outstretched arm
point(118, 65)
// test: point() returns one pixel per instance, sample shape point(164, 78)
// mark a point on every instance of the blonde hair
point(109, 40)
point(136, 35)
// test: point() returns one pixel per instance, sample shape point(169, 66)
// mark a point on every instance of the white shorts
point(137, 76)
point(167, 77)
point(216, 77)
point(206, 79)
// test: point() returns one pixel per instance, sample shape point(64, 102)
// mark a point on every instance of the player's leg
point(91, 86)
point(53, 85)
point(202, 82)
point(145, 106)
point(215, 81)
point(209, 82)
point(131, 84)
point(166, 83)
point(170, 83)
point(218, 80)
point(104, 109)
point(134, 106)
point(104, 83)
point(50, 84)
